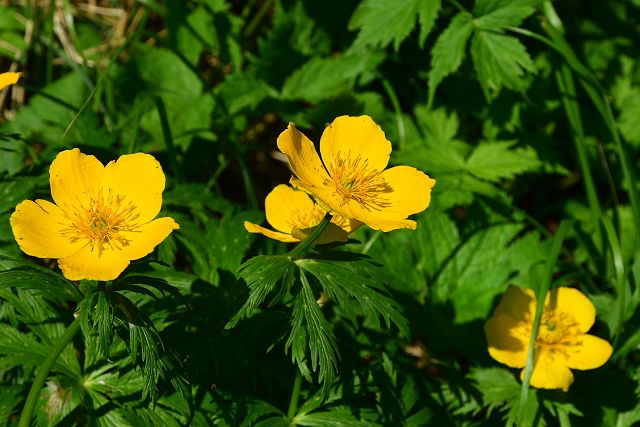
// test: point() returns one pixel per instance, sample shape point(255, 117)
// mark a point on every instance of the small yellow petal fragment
point(7, 79)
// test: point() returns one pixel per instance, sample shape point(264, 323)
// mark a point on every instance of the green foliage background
point(524, 111)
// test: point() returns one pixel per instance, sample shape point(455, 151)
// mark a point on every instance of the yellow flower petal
point(287, 209)
point(377, 220)
point(507, 339)
point(549, 371)
point(283, 237)
point(588, 352)
point(355, 138)
point(573, 302)
point(331, 234)
point(139, 178)
point(144, 239)
point(7, 79)
point(74, 178)
point(303, 158)
point(518, 303)
point(93, 264)
point(348, 225)
point(410, 190)
point(37, 228)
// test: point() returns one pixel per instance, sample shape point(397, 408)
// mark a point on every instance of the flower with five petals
point(562, 343)
point(102, 218)
point(351, 180)
point(294, 215)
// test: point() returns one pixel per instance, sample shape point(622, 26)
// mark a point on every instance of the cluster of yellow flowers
point(105, 216)
point(350, 182)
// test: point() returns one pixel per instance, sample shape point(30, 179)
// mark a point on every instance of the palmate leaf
point(498, 386)
point(500, 60)
point(21, 274)
point(322, 78)
point(346, 285)
point(449, 50)
point(349, 283)
point(311, 329)
point(498, 14)
point(19, 349)
point(264, 275)
point(497, 160)
point(381, 22)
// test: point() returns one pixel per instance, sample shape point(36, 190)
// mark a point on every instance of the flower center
point(557, 328)
point(303, 218)
point(101, 221)
point(354, 180)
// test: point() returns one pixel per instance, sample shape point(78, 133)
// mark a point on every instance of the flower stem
point(304, 246)
point(541, 294)
point(295, 394)
point(43, 372)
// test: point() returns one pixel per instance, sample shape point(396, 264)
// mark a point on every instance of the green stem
point(599, 99)
point(569, 95)
point(303, 247)
point(397, 110)
point(618, 266)
point(545, 283)
point(168, 137)
point(43, 372)
point(295, 395)
point(257, 18)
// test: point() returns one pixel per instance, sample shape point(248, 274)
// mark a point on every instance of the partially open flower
point(352, 181)
point(295, 215)
point(562, 343)
point(7, 79)
point(103, 217)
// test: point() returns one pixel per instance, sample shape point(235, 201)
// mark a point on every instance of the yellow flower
point(7, 79)
point(103, 217)
point(294, 215)
point(352, 181)
point(562, 343)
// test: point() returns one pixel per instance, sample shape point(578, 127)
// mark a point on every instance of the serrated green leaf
point(497, 160)
point(344, 284)
point(497, 386)
point(103, 321)
point(335, 418)
point(309, 328)
point(449, 50)
point(242, 91)
point(499, 60)
point(427, 14)
point(18, 349)
point(322, 78)
point(46, 282)
point(380, 22)
point(497, 14)
point(477, 272)
point(265, 275)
